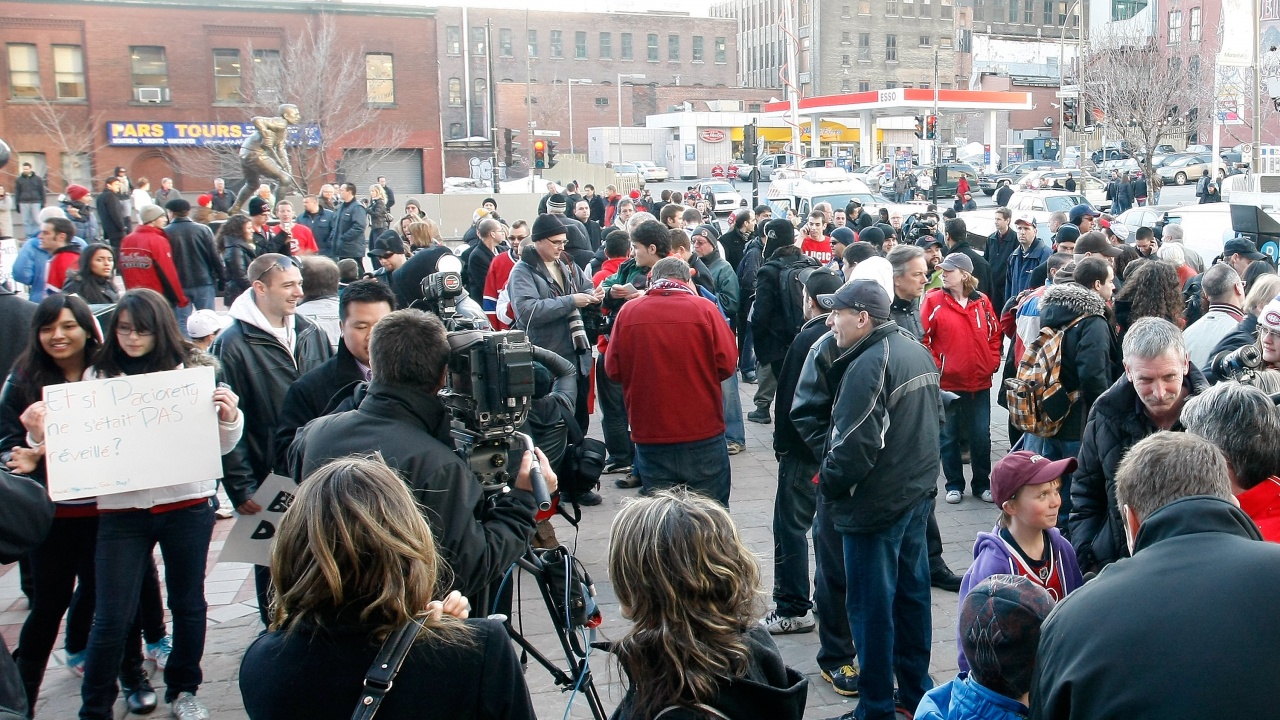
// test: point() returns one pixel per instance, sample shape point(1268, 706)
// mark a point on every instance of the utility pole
point(937, 176)
point(528, 103)
point(1255, 157)
point(493, 99)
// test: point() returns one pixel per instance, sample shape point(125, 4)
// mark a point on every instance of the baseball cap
point(957, 261)
point(1000, 623)
point(1270, 316)
point(867, 295)
point(1096, 242)
point(820, 281)
point(1243, 246)
point(387, 243)
point(1079, 211)
point(1025, 219)
point(203, 323)
point(1025, 468)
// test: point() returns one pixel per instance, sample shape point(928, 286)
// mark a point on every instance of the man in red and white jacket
point(146, 258)
point(57, 237)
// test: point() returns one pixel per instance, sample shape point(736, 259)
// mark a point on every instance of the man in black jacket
point(771, 329)
point(15, 325)
point(1195, 594)
point(597, 203)
point(878, 463)
point(111, 215)
point(26, 513)
point(196, 257)
point(264, 351)
point(401, 416)
point(1000, 245)
point(734, 240)
point(320, 222)
point(351, 221)
point(29, 194)
point(1148, 398)
point(958, 241)
point(361, 305)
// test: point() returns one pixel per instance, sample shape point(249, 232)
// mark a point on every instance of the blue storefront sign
point(195, 134)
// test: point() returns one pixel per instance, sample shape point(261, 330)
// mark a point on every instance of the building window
point(68, 72)
point(533, 43)
point(948, 11)
point(926, 41)
point(1195, 26)
point(479, 38)
point(1175, 27)
point(150, 71)
point(845, 86)
point(24, 72)
point(864, 85)
point(602, 102)
point(76, 169)
point(846, 38)
point(864, 7)
point(268, 77)
point(606, 46)
point(626, 46)
point(844, 61)
point(891, 7)
point(380, 78)
point(557, 44)
point(226, 76)
point(580, 44)
point(1028, 12)
point(1193, 69)
point(455, 92)
point(1125, 9)
point(504, 42)
point(926, 9)
point(753, 107)
point(673, 48)
point(891, 48)
point(1013, 11)
point(864, 47)
point(909, 8)
point(653, 47)
point(697, 48)
point(944, 42)
point(455, 131)
point(453, 40)
point(479, 92)
point(721, 51)
point(979, 10)
point(846, 11)
point(890, 85)
point(906, 86)
point(1048, 12)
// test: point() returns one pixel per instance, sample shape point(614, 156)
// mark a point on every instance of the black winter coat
point(1003, 194)
point(115, 224)
point(997, 254)
point(26, 513)
point(318, 673)
point(29, 189)
point(786, 439)
point(1089, 349)
point(1246, 333)
point(316, 393)
point(1115, 425)
point(194, 253)
point(235, 273)
point(907, 314)
point(15, 327)
point(260, 370)
point(734, 244)
point(768, 321)
point(379, 217)
point(347, 237)
point(1198, 592)
point(410, 427)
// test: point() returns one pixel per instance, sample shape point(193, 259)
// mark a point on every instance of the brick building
point(165, 88)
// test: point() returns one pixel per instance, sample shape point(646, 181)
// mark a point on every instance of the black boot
point(140, 697)
point(32, 675)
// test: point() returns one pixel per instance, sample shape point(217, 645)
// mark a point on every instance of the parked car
point(870, 174)
point(1207, 227)
point(726, 197)
point(1127, 223)
point(948, 184)
point(1040, 204)
point(764, 167)
point(1187, 168)
point(1094, 189)
point(651, 172)
point(1012, 173)
point(819, 185)
point(629, 171)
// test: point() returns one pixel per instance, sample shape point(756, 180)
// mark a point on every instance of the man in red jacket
point(56, 236)
point(146, 259)
point(671, 349)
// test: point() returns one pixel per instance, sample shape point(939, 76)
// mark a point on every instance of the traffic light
point(931, 128)
point(508, 147)
point(551, 153)
point(540, 154)
point(1070, 113)
point(920, 126)
point(749, 140)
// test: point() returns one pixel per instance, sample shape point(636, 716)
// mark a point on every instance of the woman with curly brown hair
point(692, 592)
point(1150, 290)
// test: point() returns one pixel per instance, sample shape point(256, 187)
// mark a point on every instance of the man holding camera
point(401, 416)
point(547, 294)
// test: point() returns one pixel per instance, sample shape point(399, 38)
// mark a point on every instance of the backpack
point(1202, 185)
point(1038, 402)
point(790, 292)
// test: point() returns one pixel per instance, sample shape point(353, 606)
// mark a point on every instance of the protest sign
point(253, 536)
point(134, 432)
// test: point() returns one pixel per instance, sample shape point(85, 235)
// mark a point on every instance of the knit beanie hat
point(873, 235)
point(205, 200)
point(1270, 317)
point(1000, 623)
point(76, 192)
point(150, 213)
point(547, 225)
point(257, 206)
point(556, 203)
point(778, 234)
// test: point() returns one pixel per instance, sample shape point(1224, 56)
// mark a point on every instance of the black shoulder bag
point(382, 673)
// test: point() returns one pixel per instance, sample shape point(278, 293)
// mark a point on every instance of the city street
point(233, 618)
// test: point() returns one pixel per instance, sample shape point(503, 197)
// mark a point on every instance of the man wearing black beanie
point(778, 314)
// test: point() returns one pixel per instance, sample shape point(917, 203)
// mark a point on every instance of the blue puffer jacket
point(964, 699)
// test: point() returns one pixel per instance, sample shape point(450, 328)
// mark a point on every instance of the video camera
point(1240, 365)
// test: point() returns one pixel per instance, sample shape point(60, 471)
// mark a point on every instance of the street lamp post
point(572, 81)
point(628, 76)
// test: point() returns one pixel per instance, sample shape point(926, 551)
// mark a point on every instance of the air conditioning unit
point(150, 94)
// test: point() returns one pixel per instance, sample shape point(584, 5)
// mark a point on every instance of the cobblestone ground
point(233, 618)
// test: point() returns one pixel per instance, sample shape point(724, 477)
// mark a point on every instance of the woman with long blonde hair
point(424, 234)
point(354, 561)
point(379, 214)
point(692, 592)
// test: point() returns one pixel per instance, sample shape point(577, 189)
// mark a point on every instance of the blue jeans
point(888, 602)
point(732, 405)
point(1056, 449)
point(201, 297)
point(613, 411)
point(30, 213)
point(125, 541)
point(792, 517)
point(829, 590)
point(970, 415)
point(747, 350)
point(702, 466)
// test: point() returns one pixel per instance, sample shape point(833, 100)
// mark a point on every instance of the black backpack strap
point(382, 673)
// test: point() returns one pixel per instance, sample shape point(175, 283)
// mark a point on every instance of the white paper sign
point(253, 536)
point(131, 433)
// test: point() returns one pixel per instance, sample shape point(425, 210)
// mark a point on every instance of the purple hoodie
point(991, 556)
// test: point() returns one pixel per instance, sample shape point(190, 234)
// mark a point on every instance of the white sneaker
point(187, 707)
point(987, 497)
point(954, 497)
point(786, 625)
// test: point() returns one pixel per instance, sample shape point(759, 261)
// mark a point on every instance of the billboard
point(134, 133)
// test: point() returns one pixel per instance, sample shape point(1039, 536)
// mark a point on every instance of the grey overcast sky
point(694, 7)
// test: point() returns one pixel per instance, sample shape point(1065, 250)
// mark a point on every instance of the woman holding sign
point(144, 338)
point(64, 339)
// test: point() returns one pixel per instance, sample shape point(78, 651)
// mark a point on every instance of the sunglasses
point(284, 263)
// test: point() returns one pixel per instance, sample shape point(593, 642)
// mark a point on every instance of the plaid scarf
point(668, 284)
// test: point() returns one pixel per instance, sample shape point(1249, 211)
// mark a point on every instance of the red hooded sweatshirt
point(965, 341)
point(146, 260)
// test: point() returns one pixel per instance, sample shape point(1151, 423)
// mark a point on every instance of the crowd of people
point(1137, 380)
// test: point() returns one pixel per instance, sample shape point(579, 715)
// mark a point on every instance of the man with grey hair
point(493, 236)
point(1173, 234)
point(1244, 422)
point(1158, 378)
point(1222, 286)
point(1194, 597)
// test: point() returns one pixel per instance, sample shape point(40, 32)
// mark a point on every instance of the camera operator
point(400, 415)
point(1246, 361)
point(554, 430)
point(547, 295)
point(407, 280)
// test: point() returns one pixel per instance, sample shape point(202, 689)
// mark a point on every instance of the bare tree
point(70, 128)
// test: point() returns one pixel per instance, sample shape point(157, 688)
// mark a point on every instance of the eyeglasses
point(124, 330)
point(1264, 331)
point(558, 243)
point(519, 238)
point(284, 263)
